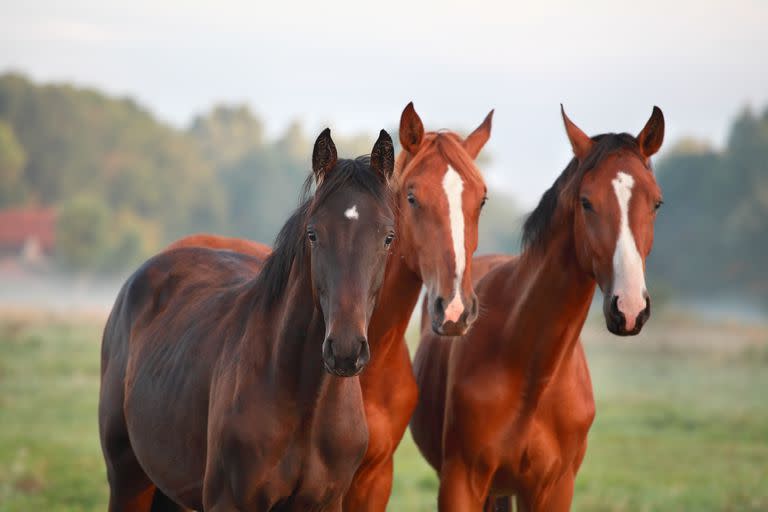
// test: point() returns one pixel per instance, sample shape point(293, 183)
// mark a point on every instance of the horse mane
point(538, 228)
point(289, 246)
point(449, 146)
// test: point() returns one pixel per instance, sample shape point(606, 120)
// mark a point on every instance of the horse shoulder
point(484, 263)
point(248, 436)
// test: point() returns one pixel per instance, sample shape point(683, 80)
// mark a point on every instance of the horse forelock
point(290, 249)
point(448, 146)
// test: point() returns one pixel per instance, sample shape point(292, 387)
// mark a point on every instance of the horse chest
point(554, 441)
point(338, 437)
point(298, 461)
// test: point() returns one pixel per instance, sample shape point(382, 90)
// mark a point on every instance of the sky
point(355, 65)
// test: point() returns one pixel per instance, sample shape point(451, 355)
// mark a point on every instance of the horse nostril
point(615, 312)
point(440, 306)
point(645, 314)
point(328, 351)
point(364, 355)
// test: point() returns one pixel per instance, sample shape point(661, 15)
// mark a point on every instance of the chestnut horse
point(440, 193)
point(224, 389)
point(505, 410)
point(259, 251)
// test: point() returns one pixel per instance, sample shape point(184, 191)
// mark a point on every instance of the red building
point(27, 235)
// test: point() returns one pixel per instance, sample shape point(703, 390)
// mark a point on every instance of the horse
point(259, 251)
point(505, 410)
point(227, 389)
point(440, 193)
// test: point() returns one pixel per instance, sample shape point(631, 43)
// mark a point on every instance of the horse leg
point(387, 417)
point(162, 503)
point(335, 506)
point(552, 498)
point(222, 507)
point(461, 488)
point(558, 497)
point(130, 488)
point(371, 486)
point(499, 504)
point(372, 483)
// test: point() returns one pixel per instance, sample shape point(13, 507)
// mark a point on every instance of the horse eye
point(389, 239)
point(411, 198)
point(586, 204)
point(658, 204)
point(312, 236)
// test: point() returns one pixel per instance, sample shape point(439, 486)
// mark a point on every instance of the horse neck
point(395, 304)
point(286, 340)
point(551, 296)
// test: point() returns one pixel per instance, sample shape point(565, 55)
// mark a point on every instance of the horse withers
point(227, 389)
point(505, 410)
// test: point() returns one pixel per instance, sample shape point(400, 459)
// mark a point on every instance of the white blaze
point(628, 274)
point(453, 187)
point(351, 213)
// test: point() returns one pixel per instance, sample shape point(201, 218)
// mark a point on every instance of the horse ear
point(477, 139)
point(580, 141)
point(383, 155)
point(652, 135)
point(323, 155)
point(411, 129)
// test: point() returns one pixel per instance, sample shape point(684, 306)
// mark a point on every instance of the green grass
point(682, 422)
point(49, 447)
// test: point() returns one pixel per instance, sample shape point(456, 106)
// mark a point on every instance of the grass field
point(682, 420)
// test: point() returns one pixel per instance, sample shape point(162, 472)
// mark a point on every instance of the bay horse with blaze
point(225, 389)
point(505, 409)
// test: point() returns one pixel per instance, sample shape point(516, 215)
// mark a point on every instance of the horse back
point(483, 264)
point(260, 252)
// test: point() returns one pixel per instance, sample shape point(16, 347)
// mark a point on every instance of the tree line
point(124, 184)
point(712, 233)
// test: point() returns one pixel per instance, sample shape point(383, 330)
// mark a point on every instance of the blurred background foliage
point(124, 183)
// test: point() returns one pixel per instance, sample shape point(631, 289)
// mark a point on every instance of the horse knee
point(461, 489)
point(371, 485)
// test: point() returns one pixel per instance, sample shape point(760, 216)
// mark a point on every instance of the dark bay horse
point(505, 410)
point(226, 389)
point(440, 193)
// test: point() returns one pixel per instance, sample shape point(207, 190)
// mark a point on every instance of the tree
point(227, 133)
point(82, 231)
point(12, 161)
